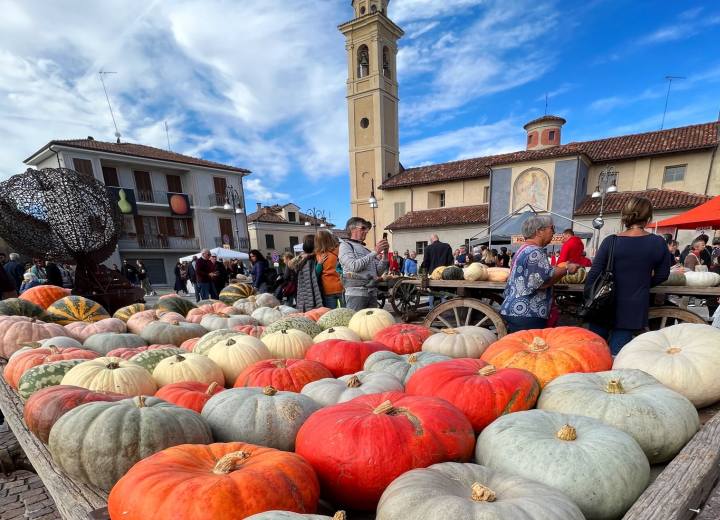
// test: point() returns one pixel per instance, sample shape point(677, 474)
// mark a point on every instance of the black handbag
point(600, 296)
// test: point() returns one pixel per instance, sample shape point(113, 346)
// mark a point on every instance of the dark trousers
point(618, 337)
point(516, 323)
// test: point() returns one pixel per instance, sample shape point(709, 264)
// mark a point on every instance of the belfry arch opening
point(363, 61)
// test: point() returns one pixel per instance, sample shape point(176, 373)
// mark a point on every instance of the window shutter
point(163, 228)
point(139, 229)
point(190, 228)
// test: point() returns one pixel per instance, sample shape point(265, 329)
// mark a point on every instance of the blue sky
point(261, 83)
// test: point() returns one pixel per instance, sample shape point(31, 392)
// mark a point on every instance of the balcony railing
point(244, 243)
point(216, 199)
point(158, 242)
point(156, 197)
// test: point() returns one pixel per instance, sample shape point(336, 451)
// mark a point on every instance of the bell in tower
point(365, 7)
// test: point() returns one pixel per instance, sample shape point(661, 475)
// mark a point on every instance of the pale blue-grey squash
point(402, 366)
point(288, 515)
point(600, 468)
point(105, 342)
point(329, 391)
point(451, 490)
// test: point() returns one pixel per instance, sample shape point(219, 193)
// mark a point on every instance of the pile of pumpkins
point(475, 272)
point(251, 409)
point(681, 277)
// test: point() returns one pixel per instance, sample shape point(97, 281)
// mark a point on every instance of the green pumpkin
point(149, 359)
point(306, 325)
point(577, 278)
point(676, 278)
point(76, 308)
point(175, 304)
point(336, 318)
point(236, 291)
point(19, 307)
point(453, 273)
point(124, 313)
point(42, 376)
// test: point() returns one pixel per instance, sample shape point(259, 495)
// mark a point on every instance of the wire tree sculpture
point(61, 215)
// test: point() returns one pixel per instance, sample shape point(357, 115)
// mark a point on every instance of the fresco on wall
point(531, 187)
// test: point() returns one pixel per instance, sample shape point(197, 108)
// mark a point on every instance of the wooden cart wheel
point(465, 311)
point(661, 317)
point(404, 299)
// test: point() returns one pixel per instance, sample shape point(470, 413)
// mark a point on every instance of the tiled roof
point(557, 119)
point(661, 199)
point(139, 150)
point(272, 214)
point(266, 216)
point(432, 218)
point(673, 140)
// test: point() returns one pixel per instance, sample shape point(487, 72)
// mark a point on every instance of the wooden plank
point(680, 490)
point(74, 500)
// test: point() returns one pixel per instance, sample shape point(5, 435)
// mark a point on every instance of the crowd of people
point(17, 277)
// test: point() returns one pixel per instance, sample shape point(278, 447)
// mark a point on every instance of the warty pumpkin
point(209, 340)
point(188, 367)
point(329, 391)
point(460, 342)
point(76, 308)
point(149, 359)
point(302, 323)
point(99, 442)
point(343, 357)
point(368, 322)
point(111, 374)
point(549, 353)
point(336, 318)
point(403, 338)
point(16, 330)
point(401, 366)
point(24, 361)
point(45, 375)
point(221, 481)
point(263, 416)
point(359, 447)
point(189, 394)
point(600, 468)
point(290, 375)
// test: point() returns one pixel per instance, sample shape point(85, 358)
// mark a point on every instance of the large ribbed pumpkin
point(359, 447)
point(125, 313)
point(288, 343)
point(105, 343)
point(475, 272)
point(16, 330)
point(329, 391)
point(99, 442)
point(46, 406)
point(236, 353)
point(189, 394)
point(256, 331)
point(403, 338)
point(453, 272)
point(188, 367)
point(368, 322)
point(226, 321)
point(24, 361)
point(173, 333)
point(236, 291)
point(549, 353)
point(343, 357)
point(175, 304)
point(498, 274)
point(460, 342)
point(482, 392)
point(336, 333)
point(290, 375)
point(196, 315)
point(83, 330)
point(44, 295)
point(76, 308)
point(18, 307)
point(111, 374)
point(401, 366)
point(221, 481)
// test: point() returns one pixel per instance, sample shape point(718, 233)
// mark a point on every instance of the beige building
point(485, 199)
point(277, 229)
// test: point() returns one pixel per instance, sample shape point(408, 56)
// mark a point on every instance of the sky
point(261, 83)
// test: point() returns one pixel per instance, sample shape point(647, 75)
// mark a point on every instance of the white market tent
point(297, 248)
point(221, 253)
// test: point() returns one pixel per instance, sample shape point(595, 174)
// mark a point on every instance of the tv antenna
point(167, 135)
point(112, 115)
point(669, 79)
point(546, 102)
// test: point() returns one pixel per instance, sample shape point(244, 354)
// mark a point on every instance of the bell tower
point(372, 94)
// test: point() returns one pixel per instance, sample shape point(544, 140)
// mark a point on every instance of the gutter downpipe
point(57, 155)
point(712, 162)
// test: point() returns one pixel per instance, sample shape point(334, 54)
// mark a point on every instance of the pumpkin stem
point(113, 365)
point(449, 331)
point(614, 386)
point(354, 382)
point(481, 493)
point(673, 350)
point(230, 342)
point(140, 403)
point(538, 345)
point(567, 433)
point(279, 363)
point(30, 344)
point(487, 370)
point(230, 462)
point(179, 358)
point(270, 390)
point(284, 331)
point(331, 331)
point(412, 359)
point(175, 322)
point(53, 349)
point(211, 388)
point(384, 407)
point(340, 515)
point(368, 313)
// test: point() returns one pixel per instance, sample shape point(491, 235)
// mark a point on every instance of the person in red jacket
point(572, 248)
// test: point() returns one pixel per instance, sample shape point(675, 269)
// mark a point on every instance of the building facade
point(173, 205)
point(471, 200)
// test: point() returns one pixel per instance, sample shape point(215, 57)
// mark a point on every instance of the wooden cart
point(475, 303)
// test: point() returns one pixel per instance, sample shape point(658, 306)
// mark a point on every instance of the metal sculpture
point(61, 215)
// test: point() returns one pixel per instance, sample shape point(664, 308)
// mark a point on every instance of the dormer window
point(292, 217)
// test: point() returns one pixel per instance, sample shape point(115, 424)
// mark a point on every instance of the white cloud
point(402, 11)
point(258, 192)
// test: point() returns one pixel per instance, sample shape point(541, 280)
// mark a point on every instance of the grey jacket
point(360, 265)
point(308, 295)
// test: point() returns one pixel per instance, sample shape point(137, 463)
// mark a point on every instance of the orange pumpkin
point(549, 353)
point(196, 315)
point(256, 331)
point(189, 394)
point(316, 314)
point(189, 344)
point(219, 481)
point(44, 295)
point(24, 361)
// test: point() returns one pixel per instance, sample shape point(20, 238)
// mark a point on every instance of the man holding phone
point(360, 265)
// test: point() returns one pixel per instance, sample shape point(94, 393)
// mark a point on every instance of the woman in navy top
point(641, 261)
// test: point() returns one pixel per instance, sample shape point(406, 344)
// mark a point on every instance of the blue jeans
point(618, 337)
point(516, 323)
point(204, 289)
point(333, 301)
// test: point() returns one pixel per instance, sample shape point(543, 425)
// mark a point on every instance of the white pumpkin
point(337, 333)
point(246, 305)
point(188, 367)
point(266, 316)
point(368, 322)
point(57, 341)
point(461, 342)
point(236, 353)
point(661, 420)
point(476, 272)
point(470, 491)
point(226, 321)
point(287, 310)
point(401, 366)
point(266, 300)
point(600, 468)
point(288, 344)
point(701, 279)
point(111, 374)
point(684, 357)
point(329, 391)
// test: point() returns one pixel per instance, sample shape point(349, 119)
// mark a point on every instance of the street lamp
point(316, 215)
point(374, 205)
point(607, 183)
point(233, 200)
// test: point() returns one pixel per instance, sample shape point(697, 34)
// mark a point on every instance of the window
point(364, 122)
point(436, 199)
point(551, 135)
point(174, 183)
point(486, 194)
point(362, 10)
point(420, 247)
point(674, 173)
point(220, 185)
point(529, 138)
point(399, 209)
point(270, 241)
point(292, 216)
point(144, 186)
point(441, 199)
point(293, 242)
point(83, 166)
point(110, 176)
point(373, 8)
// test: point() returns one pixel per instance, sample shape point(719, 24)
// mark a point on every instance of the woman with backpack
point(308, 295)
point(328, 269)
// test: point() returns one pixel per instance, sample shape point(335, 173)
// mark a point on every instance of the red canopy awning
point(706, 215)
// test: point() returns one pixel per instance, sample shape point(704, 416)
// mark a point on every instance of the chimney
point(259, 206)
point(544, 132)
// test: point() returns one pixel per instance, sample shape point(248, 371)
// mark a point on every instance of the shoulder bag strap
point(611, 255)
